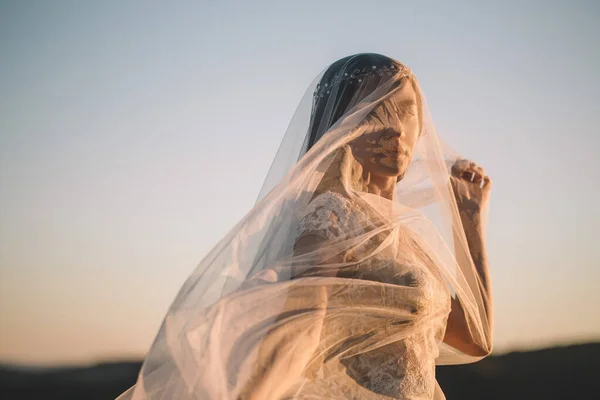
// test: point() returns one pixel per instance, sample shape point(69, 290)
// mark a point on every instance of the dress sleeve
point(331, 217)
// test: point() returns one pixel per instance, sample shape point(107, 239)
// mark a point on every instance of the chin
point(389, 172)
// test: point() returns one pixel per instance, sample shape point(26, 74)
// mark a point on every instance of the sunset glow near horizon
point(134, 136)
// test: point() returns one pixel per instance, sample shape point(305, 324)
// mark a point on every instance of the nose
point(394, 136)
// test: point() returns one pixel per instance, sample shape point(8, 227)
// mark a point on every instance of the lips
point(392, 147)
point(394, 153)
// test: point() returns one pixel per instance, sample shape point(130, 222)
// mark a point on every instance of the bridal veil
point(255, 305)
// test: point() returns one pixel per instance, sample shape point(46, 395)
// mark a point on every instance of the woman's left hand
point(471, 186)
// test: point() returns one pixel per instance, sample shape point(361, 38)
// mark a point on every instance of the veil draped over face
point(262, 317)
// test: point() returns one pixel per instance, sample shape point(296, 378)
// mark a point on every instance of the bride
point(360, 268)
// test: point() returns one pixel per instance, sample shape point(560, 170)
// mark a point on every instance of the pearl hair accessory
point(360, 75)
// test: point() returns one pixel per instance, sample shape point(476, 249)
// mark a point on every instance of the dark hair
point(346, 92)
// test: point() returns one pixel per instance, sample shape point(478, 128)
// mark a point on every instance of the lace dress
point(403, 369)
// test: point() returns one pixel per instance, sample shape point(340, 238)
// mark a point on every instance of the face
point(386, 148)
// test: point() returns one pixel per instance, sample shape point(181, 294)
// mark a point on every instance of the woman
point(361, 266)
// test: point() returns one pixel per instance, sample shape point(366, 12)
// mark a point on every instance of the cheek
point(364, 147)
point(360, 152)
point(412, 134)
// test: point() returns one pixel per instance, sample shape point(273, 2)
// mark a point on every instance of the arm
point(471, 188)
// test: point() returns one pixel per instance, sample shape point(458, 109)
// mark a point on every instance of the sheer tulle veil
point(254, 294)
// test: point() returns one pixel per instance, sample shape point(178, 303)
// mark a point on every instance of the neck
point(381, 185)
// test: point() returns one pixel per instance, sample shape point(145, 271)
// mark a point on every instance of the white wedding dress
point(404, 369)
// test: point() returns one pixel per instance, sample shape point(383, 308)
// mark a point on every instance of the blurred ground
point(557, 373)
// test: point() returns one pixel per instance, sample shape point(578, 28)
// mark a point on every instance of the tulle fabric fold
point(259, 318)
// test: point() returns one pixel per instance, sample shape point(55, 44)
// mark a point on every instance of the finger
point(482, 183)
point(478, 169)
point(477, 178)
point(460, 166)
point(472, 165)
point(487, 182)
point(471, 176)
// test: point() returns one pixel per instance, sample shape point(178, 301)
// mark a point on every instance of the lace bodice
point(403, 369)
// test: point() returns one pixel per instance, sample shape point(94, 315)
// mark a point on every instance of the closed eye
point(406, 108)
point(407, 113)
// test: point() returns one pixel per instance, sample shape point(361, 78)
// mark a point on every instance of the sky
point(135, 134)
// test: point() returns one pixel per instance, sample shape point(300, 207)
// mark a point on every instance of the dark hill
point(557, 373)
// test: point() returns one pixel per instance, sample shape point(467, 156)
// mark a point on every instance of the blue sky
point(133, 135)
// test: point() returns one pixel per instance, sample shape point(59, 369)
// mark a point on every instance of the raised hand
point(471, 186)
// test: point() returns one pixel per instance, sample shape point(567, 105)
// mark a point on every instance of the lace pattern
point(404, 369)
